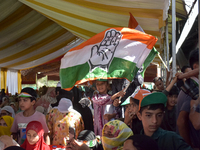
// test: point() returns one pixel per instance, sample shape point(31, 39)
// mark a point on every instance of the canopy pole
point(167, 42)
point(173, 37)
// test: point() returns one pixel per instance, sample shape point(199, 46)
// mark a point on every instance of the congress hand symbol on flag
point(102, 54)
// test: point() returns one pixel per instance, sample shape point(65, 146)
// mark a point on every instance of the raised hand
point(102, 54)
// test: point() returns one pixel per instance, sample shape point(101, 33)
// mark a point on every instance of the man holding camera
point(187, 116)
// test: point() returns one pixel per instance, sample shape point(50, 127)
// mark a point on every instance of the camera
point(190, 87)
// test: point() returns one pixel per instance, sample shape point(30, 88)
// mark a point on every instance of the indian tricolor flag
point(134, 25)
point(111, 54)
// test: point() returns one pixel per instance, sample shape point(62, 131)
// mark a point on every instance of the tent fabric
point(87, 18)
point(34, 32)
point(27, 38)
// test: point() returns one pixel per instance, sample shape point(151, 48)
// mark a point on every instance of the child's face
point(107, 132)
point(3, 123)
point(25, 103)
point(102, 87)
point(159, 84)
point(128, 145)
point(132, 108)
point(32, 137)
point(151, 120)
point(172, 100)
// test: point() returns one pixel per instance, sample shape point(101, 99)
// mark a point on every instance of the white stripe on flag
point(134, 51)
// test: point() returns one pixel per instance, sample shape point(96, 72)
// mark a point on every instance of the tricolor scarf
point(120, 131)
point(99, 103)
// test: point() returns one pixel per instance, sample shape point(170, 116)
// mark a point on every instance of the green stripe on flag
point(119, 68)
point(149, 59)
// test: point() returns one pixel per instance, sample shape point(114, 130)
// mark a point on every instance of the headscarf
point(65, 105)
point(120, 131)
point(85, 102)
point(5, 130)
point(40, 145)
point(85, 112)
point(9, 109)
point(99, 103)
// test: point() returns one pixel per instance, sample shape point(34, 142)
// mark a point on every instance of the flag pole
point(173, 37)
point(163, 62)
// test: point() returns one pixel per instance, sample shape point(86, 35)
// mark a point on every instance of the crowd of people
point(105, 116)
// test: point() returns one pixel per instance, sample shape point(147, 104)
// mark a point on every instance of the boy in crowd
point(132, 106)
point(151, 114)
point(169, 119)
point(27, 100)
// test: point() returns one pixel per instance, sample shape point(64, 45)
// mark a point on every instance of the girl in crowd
point(100, 100)
point(34, 137)
point(5, 125)
point(114, 134)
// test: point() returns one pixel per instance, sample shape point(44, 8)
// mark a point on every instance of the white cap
point(65, 105)
point(58, 84)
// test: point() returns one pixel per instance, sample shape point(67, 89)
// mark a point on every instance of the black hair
point(87, 135)
point(30, 91)
point(58, 89)
point(156, 79)
point(194, 57)
point(63, 94)
point(184, 68)
point(174, 90)
point(136, 101)
point(153, 107)
point(143, 142)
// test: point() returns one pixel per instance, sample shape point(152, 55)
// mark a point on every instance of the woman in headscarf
point(114, 134)
point(5, 125)
point(34, 137)
point(83, 110)
point(64, 122)
point(8, 111)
